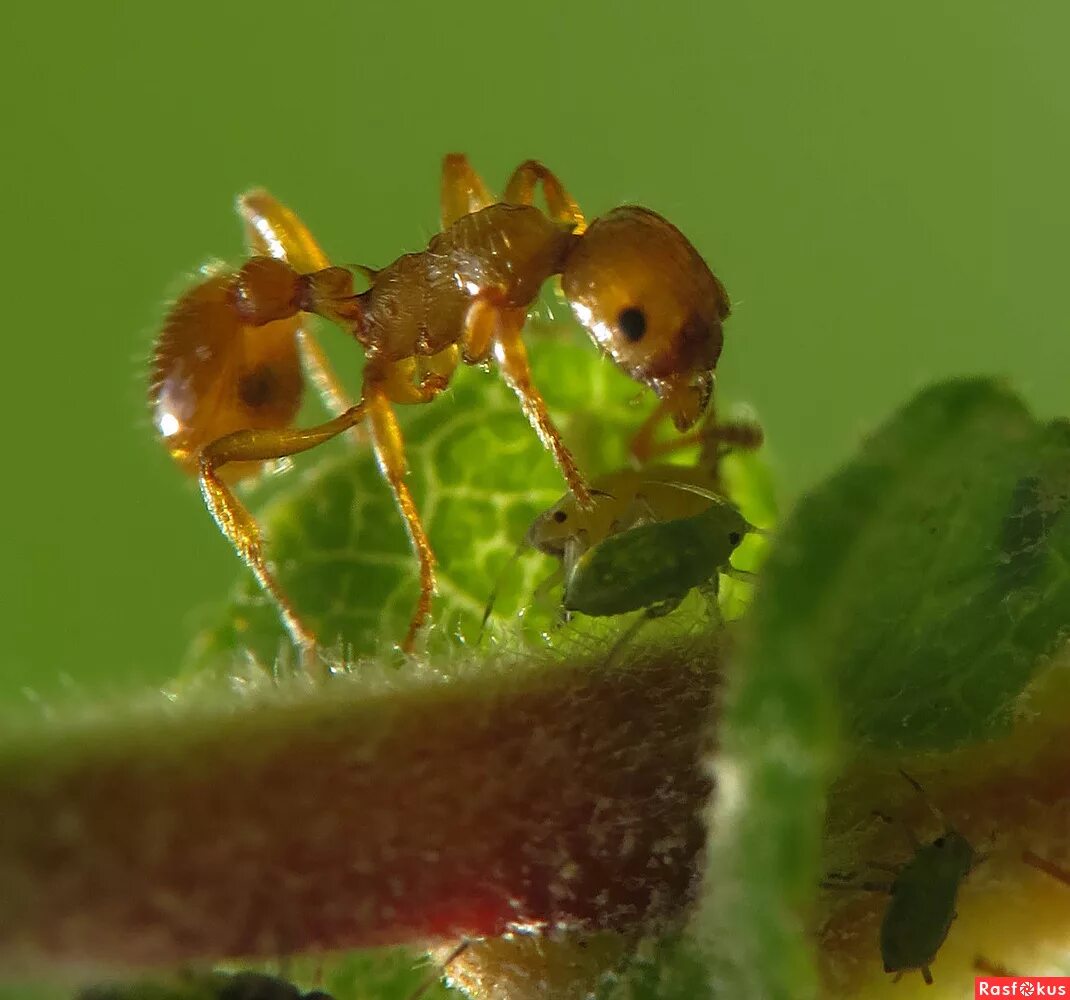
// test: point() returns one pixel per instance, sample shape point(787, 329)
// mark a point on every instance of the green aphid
point(924, 893)
point(654, 566)
point(205, 986)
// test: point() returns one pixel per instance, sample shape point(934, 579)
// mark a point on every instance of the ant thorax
point(418, 304)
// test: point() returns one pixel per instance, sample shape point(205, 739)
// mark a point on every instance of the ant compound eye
point(560, 516)
point(632, 323)
point(939, 842)
point(735, 537)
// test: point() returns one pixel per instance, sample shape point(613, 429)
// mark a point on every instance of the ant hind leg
point(272, 229)
point(233, 518)
point(463, 190)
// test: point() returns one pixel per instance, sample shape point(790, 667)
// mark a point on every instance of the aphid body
point(654, 566)
point(922, 907)
point(632, 496)
point(226, 381)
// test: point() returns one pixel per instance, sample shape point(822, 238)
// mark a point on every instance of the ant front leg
point(521, 191)
point(463, 190)
point(234, 519)
point(274, 230)
point(512, 358)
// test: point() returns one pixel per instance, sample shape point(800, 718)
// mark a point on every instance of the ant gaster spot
point(632, 323)
point(257, 388)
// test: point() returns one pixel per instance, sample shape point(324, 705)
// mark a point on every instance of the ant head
point(650, 302)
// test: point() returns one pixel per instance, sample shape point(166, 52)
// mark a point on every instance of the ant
point(226, 376)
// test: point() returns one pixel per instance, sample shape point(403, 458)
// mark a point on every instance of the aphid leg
point(637, 513)
point(274, 230)
point(543, 587)
point(512, 359)
point(442, 969)
point(927, 975)
point(234, 519)
point(982, 964)
point(520, 190)
point(658, 610)
point(463, 190)
point(1046, 866)
point(382, 387)
point(489, 606)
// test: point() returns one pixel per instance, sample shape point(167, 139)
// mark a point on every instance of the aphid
point(206, 986)
point(923, 893)
point(654, 566)
point(632, 496)
point(1046, 866)
point(226, 381)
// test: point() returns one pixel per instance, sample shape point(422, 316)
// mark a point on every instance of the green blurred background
point(881, 187)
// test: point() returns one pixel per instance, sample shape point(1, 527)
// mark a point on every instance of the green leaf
point(912, 596)
point(929, 576)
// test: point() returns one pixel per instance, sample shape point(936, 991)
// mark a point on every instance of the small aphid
point(924, 892)
point(206, 986)
point(226, 382)
point(654, 566)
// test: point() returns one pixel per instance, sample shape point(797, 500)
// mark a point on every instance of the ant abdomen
point(215, 370)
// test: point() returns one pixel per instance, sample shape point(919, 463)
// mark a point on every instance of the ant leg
point(274, 230)
point(389, 447)
point(521, 191)
point(642, 446)
point(234, 520)
point(463, 190)
point(512, 359)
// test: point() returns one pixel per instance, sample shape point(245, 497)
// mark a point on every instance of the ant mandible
point(226, 374)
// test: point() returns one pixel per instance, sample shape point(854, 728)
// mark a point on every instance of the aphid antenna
point(489, 607)
point(929, 802)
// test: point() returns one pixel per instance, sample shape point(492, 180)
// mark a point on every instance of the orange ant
point(226, 379)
